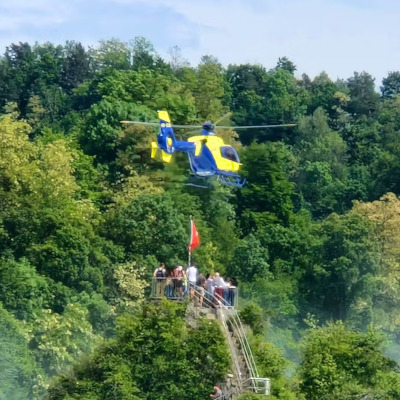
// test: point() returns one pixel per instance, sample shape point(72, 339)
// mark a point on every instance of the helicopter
point(208, 155)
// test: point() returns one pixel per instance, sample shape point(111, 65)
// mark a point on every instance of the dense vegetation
point(86, 215)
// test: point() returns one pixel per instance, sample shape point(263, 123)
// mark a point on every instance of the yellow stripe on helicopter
point(161, 154)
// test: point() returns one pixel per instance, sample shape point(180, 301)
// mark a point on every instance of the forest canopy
point(86, 215)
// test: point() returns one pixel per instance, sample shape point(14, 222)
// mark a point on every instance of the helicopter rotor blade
point(187, 126)
point(157, 124)
point(228, 114)
point(139, 123)
point(256, 126)
point(217, 127)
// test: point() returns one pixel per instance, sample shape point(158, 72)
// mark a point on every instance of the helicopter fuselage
point(208, 154)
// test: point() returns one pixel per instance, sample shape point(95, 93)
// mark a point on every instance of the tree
point(75, 66)
point(18, 371)
point(143, 54)
point(323, 91)
point(211, 91)
point(383, 214)
point(250, 260)
point(364, 100)
point(391, 85)
point(111, 54)
point(344, 262)
point(22, 290)
point(19, 74)
point(342, 364)
point(177, 61)
point(102, 132)
point(322, 172)
point(266, 197)
point(152, 356)
point(286, 64)
point(149, 226)
point(57, 340)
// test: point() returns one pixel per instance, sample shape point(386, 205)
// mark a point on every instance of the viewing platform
point(174, 289)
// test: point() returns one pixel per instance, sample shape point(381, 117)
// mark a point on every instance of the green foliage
point(153, 356)
point(323, 93)
point(266, 197)
point(269, 358)
point(345, 259)
point(150, 226)
point(103, 128)
point(252, 396)
point(250, 260)
point(391, 84)
point(22, 290)
point(251, 315)
point(363, 97)
point(57, 340)
point(18, 372)
point(322, 170)
point(339, 363)
point(85, 214)
point(211, 89)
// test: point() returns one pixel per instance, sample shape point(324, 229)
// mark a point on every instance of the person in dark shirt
point(232, 288)
point(159, 274)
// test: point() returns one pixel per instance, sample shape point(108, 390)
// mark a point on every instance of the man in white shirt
point(191, 273)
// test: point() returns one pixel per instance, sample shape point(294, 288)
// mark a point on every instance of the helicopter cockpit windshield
point(230, 153)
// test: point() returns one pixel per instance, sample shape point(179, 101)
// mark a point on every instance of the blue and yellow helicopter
point(208, 155)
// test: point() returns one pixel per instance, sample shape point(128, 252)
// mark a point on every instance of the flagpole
point(190, 241)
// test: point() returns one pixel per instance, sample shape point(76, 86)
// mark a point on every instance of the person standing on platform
point(201, 283)
point(217, 393)
point(159, 274)
point(220, 287)
point(191, 273)
point(179, 274)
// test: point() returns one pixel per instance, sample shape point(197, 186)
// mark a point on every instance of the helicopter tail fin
point(158, 153)
point(163, 116)
point(165, 157)
point(154, 149)
point(166, 138)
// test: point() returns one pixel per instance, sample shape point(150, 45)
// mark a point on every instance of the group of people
point(178, 283)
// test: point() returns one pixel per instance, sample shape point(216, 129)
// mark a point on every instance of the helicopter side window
point(230, 153)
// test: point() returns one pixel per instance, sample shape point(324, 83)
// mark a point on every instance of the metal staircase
point(245, 372)
point(245, 376)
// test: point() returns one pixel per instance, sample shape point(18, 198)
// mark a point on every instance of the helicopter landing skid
point(232, 180)
point(196, 185)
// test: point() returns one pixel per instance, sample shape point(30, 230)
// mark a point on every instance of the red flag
point(194, 237)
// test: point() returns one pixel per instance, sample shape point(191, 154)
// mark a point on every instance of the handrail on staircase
point(232, 323)
point(235, 319)
point(226, 310)
point(232, 347)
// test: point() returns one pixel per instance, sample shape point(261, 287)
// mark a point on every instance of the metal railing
point(258, 385)
point(231, 322)
point(234, 328)
point(177, 289)
point(238, 330)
